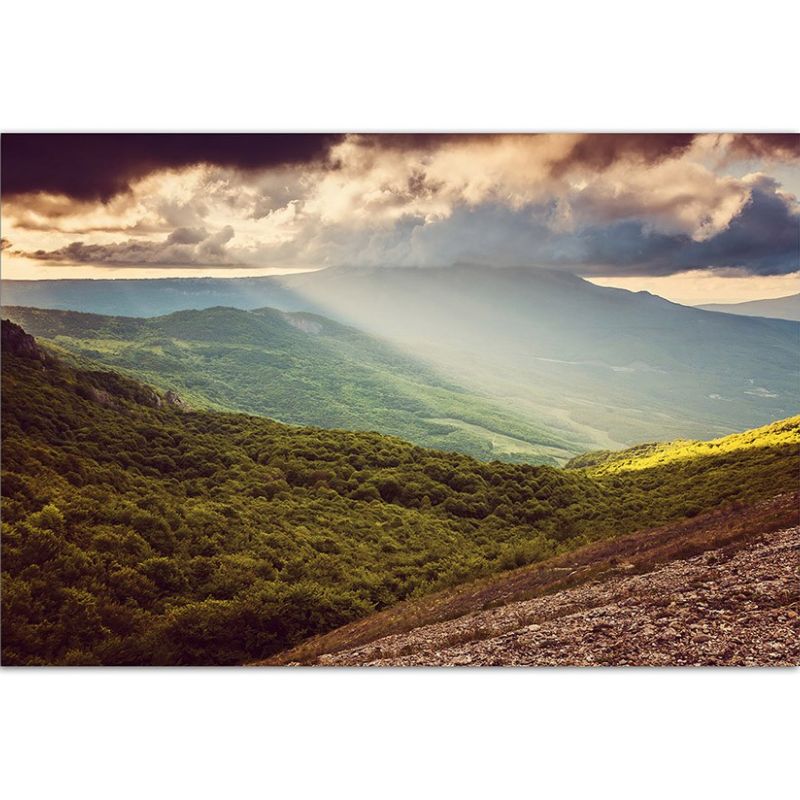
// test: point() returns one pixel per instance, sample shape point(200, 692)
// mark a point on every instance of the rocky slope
point(717, 608)
point(734, 604)
point(103, 387)
point(16, 341)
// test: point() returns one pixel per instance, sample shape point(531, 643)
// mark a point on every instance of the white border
point(482, 733)
point(411, 66)
point(355, 65)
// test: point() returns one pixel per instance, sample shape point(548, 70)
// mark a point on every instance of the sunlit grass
point(647, 456)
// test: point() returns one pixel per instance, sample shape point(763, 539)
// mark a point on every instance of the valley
point(533, 355)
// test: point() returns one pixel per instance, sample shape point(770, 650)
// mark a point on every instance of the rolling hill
point(139, 532)
point(656, 454)
point(302, 369)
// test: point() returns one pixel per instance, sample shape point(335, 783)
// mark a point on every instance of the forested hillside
point(137, 532)
point(302, 369)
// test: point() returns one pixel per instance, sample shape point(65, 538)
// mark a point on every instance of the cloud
point(597, 204)
point(183, 247)
point(593, 178)
point(672, 197)
point(595, 150)
point(4, 244)
point(187, 236)
point(765, 146)
point(602, 150)
point(98, 166)
point(584, 234)
point(212, 248)
point(762, 238)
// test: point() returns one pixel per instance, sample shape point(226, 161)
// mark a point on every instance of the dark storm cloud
point(599, 151)
point(421, 141)
point(763, 239)
point(769, 146)
point(97, 166)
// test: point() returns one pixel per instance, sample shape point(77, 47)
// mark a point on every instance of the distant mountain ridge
point(148, 297)
point(777, 308)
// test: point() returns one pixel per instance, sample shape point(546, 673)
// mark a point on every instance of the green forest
point(139, 532)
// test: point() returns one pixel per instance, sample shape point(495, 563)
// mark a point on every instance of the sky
point(693, 217)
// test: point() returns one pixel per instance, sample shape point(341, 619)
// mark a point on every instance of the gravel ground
point(734, 606)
